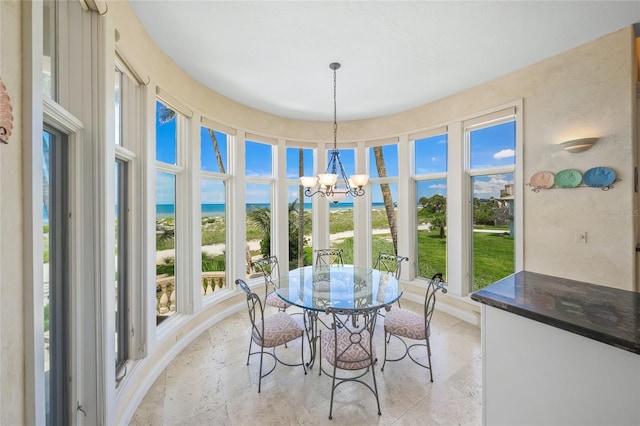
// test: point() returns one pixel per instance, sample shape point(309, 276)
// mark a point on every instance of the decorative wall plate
point(6, 114)
point(542, 180)
point(599, 177)
point(568, 178)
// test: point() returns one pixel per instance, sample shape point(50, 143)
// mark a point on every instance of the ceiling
point(274, 56)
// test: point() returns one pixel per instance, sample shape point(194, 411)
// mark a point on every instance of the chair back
point(389, 262)
point(270, 270)
point(329, 257)
point(436, 283)
point(256, 311)
point(353, 337)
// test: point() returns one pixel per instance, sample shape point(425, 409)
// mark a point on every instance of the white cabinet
point(537, 374)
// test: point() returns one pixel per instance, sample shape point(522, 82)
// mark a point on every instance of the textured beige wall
point(588, 91)
point(11, 276)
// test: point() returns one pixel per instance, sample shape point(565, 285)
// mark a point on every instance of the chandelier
point(334, 184)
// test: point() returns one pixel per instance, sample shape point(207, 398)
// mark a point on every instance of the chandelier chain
point(335, 115)
point(327, 184)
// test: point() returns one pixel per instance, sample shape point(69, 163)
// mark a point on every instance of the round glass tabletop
point(348, 286)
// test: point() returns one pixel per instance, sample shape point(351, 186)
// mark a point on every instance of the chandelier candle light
point(326, 184)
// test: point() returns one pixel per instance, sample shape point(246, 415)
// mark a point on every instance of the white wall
point(12, 354)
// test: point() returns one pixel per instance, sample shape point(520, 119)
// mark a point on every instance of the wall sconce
point(578, 145)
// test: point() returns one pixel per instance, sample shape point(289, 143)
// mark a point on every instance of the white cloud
point(505, 153)
point(438, 186)
point(489, 188)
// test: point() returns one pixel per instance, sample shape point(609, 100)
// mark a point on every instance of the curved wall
point(587, 91)
point(145, 55)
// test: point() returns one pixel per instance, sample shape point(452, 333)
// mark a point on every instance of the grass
point(493, 255)
point(493, 252)
point(213, 228)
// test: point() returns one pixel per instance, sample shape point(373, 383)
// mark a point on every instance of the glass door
point(56, 276)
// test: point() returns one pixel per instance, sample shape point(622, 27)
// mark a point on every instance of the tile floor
point(209, 383)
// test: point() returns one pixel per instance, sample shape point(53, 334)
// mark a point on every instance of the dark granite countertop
point(605, 314)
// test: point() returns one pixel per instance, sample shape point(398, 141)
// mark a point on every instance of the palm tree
point(216, 149)
point(260, 218)
point(301, 213)
point(386, 196)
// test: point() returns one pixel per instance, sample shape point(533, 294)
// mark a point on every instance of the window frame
point(507, 113)
point(423, 177)
point(183, 292)
point(226, 179)
point(275, 210)
point(390, 180)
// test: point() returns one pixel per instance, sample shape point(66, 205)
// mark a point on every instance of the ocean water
point(214, 210)
point(164, 211)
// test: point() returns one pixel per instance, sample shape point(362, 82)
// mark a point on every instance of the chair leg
point(249, 353)
point(429, 359)
point(386, 343)
point(320, 369)
point(375, 387)
point(333, 388)
point(302, 354)
point(260, 374)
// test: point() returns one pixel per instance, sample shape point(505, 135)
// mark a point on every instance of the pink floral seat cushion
point(279, 329)
point(274, 300)
point(405, 323)
point(352, 349)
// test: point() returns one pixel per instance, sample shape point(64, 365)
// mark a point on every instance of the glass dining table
point(349, 287)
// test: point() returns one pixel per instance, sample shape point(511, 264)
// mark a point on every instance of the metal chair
point(329, 257)
point(347, 346)
point(390, 262)
point(270, 332)
point(405, 324)
point(270, 270)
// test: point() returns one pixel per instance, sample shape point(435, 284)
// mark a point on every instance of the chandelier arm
point(345, 178)
point(309, 193)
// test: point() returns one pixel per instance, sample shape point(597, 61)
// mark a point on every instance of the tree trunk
point(301, 211)
point(386, 197)
point(214, 141)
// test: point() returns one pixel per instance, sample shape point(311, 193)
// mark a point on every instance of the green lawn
point(493, 252)
point(493, 255)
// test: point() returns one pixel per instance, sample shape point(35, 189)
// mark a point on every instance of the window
point(431, 213)
point(57, 288)
point(213, 203)
point(168, 125)
point(491, 149)
point(121, 240)
point(383, 170)
point(258, 199)
point(122, 266)
point(299, 163)
point(341, 226)
point(50, 49)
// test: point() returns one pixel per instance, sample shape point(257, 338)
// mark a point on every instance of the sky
point(489, 147)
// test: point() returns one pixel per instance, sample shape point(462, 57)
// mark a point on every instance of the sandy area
point(254, 245)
